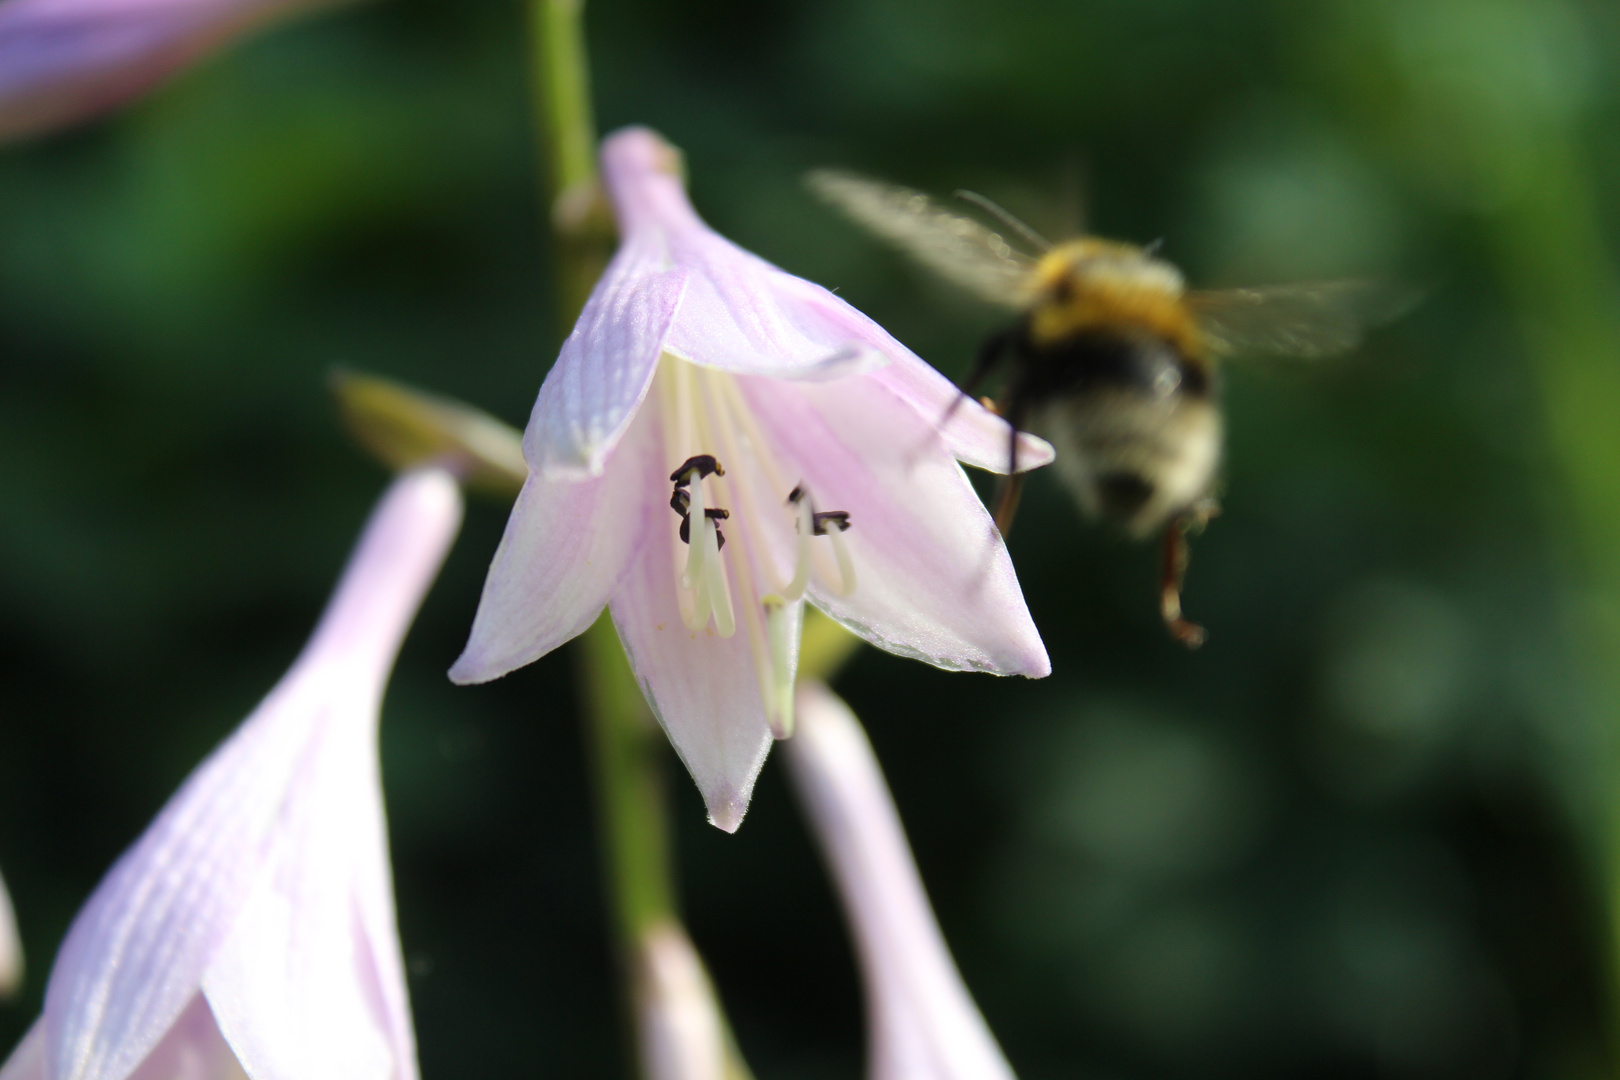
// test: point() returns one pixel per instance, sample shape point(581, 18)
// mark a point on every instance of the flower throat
point(707, 422)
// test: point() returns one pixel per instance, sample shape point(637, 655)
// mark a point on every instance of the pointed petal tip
point(726, 807)
point(466, 672)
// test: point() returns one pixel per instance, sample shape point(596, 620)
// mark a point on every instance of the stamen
point(779, 627)
point(801, 562)
point(702, 464)
point(725, 619)
point(837, 519)
point(692, 575)
point(846, 565)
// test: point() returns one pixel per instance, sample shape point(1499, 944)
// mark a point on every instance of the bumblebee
point(1112, 358)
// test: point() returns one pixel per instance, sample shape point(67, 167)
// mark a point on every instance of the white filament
point(706, 412)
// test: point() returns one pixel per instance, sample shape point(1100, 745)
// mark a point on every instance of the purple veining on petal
point(280, 830)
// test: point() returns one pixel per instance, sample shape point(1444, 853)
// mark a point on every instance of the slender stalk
point(628, 750)
point(577, 212)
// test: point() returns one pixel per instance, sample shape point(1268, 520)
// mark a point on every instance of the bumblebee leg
point(984, 362)
point(1012, 485)
point(1172, 572)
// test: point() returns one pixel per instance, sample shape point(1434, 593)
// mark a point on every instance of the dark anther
point(838, 519)
point(681, 501)
point(704, 464)
point(714, 513)
point(795, 495)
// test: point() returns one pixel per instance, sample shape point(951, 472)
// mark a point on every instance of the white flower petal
point(924, 1024)
point(935, 580)
point(566, 545)
point(703, 688)
point(138, 952)
point(976, 436)
point(193, 1049)
point(65, 60)
point(743, 315)
point(296, 985)
point(606, 365)
point(11, 954)
point(679, 1029)
point(27, 1060)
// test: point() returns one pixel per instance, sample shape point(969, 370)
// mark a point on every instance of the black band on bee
point(1109, 359)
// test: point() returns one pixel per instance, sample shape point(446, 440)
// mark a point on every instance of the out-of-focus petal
point(607, 363)
point(566, 545)
point(66, 60)
point(27, 1060)
point(703, 688)
point(295, 987)
point(193, 1049)
point(141, 947)
point(678, 1020)
point(11, 954)
point(924, 1024)
point(935, 580)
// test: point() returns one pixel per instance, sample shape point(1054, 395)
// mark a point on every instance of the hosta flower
point(718, 442)
point(923, 1024)
point(65, 60)
point(11, 955)
point(679, 1029)
point(250, 930)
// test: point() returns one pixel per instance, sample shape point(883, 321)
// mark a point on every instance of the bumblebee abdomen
point(1134, 422)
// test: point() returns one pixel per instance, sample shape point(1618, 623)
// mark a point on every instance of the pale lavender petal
point(678, 1024)
point(739, 312)
point(137, 953)
point(296, 986)
point(743, 315)
point(703, 688)
point(606, 365)
point(193, 1049)
point(65, 60)
point(11, 954)
point(27, 1060)
point(934, 580)
point(976, 436)
point(924, 1024)
point(567, 544)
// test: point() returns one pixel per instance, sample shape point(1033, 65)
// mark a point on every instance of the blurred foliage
point(1359, 834)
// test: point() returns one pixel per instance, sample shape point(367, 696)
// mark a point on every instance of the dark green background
point(1354, 836)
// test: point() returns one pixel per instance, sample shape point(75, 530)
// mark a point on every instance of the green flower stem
point(578, 213)
point(629, 761)
point(628, 750)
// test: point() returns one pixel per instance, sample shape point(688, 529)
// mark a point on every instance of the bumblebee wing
point(957, 248)
point(1312, 320)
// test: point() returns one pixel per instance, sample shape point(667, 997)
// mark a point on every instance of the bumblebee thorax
point(1089, 283)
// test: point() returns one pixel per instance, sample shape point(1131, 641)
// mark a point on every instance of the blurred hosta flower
point(923, 1024)
point(718, 441)
point(11, 955)
point(679, 1028)
point(250, 930)
point(66, 60)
